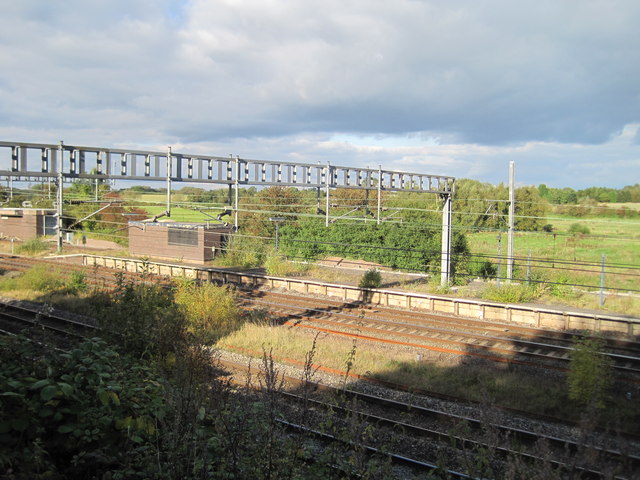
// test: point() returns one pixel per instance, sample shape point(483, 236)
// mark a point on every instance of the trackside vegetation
point(145, 398)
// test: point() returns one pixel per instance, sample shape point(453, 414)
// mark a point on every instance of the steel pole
point(60, 197)
point(379, 192)
point(602, 283)
point(169, 181)
point(512, 204)
point(445, 264)
point(237, 198)
point(328, 203)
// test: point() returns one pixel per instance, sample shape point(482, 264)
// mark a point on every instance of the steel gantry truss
point(32, 161)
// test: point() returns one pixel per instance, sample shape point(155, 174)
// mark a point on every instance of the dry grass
point(474, 380)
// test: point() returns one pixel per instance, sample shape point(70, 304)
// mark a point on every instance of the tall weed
point(511, 293)
point(277, 265)
point(33, 246)
point(210, 311)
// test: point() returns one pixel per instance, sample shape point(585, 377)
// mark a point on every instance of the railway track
point(402, 423)
point(379, 412)
point(15, 318)
point(497, 342)
point(423, 331)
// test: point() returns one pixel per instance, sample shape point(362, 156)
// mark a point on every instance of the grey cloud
point(255, 73)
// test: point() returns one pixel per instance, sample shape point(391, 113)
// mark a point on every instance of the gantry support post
point(445, 264)
point(512, 206)
point(59, 197)
point(169, 182)
point(328, 179)
point(379, 192)
point(237, 199)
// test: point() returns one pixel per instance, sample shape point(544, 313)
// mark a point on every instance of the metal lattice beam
point(31, 160)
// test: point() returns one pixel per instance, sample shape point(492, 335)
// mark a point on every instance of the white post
point(445, 264)
point(59, 196)
point(168, 181)
point(237, 197)
point(602, 283)
point(512, 204)
point(379, 192)
point(328, 181)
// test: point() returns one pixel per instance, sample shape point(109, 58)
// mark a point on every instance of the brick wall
point(152, 240)
point(22, 224)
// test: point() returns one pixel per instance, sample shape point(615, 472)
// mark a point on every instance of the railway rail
point(415, 421)
point(422, 331)
point(58, 325)
point(492, 341)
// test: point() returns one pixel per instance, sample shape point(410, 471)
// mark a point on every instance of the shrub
point(484, 269)
point(142, 319)
point(243, 252)
point(590, 373)
point(548, 228)
point(77, 283)
point(578, 228)
point(210, 311)
point(372, 278)
point(68, 415)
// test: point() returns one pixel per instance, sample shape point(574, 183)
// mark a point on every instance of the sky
point(440, 87)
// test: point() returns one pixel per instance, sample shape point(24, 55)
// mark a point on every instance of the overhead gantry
point(66, 163)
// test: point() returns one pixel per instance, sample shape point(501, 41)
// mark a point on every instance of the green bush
point(243, 252)
point(372, 278)
point(68, 415)
point(417, 248)
point(484, 269)
point(142, 319)
point(579, 228)
point(77, 283)
point(210, 311)
point(590, 373)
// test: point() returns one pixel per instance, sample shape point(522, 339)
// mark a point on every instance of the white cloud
point(418, 84)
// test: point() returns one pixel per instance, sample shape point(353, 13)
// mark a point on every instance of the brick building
point(178, 240)
point(26, 223)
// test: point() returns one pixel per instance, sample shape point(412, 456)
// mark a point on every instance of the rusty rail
point(533, 316)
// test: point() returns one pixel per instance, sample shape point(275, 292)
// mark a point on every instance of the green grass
point(33, 246)
point(179, 214)
point(617, 239)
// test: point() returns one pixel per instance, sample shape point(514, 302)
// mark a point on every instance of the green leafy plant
point(372, 278)
point(210, 311)
point(579, 228)
point(590, 373)
point(484, 269)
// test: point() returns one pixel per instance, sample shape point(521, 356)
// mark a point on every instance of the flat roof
point(192, 225)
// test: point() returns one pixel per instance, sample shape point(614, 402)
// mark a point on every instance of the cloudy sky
point(431, 86)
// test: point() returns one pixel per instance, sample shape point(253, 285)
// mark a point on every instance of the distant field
point(632, 206)
point(616, 238)
point(179, 214)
